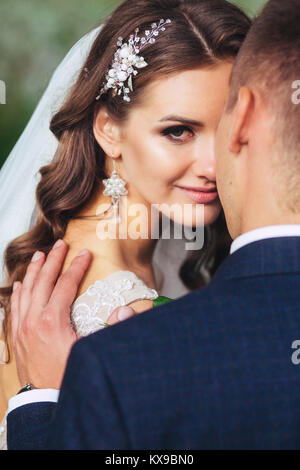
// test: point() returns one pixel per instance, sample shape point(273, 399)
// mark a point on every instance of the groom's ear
point(107, 132)
point(239, 134)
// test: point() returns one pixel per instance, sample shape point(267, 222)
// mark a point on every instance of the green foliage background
point(35, 35)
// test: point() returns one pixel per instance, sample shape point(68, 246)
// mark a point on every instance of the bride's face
point(167, 144)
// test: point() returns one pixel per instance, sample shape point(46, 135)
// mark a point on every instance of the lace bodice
point(91, 309)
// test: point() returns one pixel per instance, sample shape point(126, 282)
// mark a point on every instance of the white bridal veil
point(35, 148)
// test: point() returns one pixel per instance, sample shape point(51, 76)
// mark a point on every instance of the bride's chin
point(199, 219)
point(211, 215)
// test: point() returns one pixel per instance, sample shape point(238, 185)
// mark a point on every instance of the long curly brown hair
point(203, 33)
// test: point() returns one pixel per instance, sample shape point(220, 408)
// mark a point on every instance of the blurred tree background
point(34, 37)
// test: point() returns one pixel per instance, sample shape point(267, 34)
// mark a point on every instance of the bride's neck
point(121, 249)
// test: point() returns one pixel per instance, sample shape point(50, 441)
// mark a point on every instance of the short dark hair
point(269, 61)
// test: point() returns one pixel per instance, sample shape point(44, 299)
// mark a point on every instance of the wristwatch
point(26, 388)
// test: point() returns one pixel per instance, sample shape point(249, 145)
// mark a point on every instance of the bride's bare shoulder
point(99, 269)
point(80, 236)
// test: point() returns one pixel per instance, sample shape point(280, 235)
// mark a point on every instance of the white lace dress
point(91, 310)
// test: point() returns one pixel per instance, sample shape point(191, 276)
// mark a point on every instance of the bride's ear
point(107, 133)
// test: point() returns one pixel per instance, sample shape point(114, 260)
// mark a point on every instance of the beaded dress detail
point(91, 309)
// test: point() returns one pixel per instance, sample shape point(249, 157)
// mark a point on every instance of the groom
point(216, 369)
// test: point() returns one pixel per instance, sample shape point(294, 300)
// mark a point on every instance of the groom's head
point(258, 144)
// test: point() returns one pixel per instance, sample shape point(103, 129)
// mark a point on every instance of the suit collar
point(269, 256)
point(272, 231)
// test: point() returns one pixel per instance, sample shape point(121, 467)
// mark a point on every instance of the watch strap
point(26, 388)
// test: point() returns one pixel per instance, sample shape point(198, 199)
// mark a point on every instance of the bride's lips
point(200, 195)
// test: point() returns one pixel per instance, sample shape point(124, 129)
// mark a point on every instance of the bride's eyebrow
point(189, 122)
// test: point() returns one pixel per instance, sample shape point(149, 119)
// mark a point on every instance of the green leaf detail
point(161, 300)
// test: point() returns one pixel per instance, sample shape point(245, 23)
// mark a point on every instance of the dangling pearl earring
point(115, 187)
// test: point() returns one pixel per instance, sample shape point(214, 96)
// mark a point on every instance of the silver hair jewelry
point(115, 187)
point(127, 60)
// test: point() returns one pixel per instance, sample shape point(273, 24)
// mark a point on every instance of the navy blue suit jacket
point(212, 370)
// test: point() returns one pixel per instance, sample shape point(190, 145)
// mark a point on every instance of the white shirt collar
point(274, 231)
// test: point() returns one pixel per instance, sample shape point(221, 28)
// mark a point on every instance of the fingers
point(67, 285)
point(120, 314)
point(32, 272)
point(14, 308)
point(48, 275)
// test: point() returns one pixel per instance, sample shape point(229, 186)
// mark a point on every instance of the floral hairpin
point(127, 60)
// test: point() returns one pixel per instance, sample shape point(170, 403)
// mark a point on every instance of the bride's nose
point(204, 164)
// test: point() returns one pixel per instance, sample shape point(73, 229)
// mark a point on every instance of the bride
point(136, 106)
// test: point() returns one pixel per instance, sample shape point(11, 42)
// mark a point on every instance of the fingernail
point(15, 285)
point(37, 255)
point(57, 244)
point(124, 312)
point(82, 252)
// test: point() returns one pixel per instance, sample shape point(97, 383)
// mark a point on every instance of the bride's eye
point(178, 133)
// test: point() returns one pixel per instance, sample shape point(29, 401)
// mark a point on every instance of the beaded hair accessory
point(127, 60)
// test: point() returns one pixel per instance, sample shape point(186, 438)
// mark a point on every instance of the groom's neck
point(255, 217)
point(265, 200)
